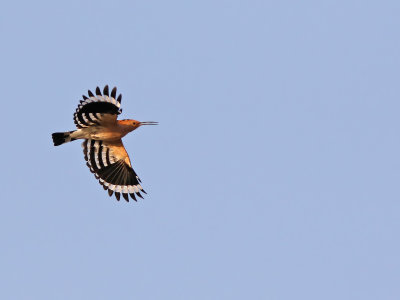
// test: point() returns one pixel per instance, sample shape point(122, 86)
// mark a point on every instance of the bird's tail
point(60, 138)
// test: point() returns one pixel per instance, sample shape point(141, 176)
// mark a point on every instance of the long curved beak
point(149, 123)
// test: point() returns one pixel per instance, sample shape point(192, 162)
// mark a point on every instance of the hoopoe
point(105, 154)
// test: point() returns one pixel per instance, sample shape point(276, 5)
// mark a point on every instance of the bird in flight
point(105, 154)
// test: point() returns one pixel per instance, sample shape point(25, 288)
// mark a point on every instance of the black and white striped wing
point(98, 109)
point(112, 167)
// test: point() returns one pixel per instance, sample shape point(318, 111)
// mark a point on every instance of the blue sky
point(274, 172)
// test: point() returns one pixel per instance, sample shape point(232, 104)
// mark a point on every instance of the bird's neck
point(125, 126)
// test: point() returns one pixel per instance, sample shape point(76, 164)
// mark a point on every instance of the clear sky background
point(274, 172)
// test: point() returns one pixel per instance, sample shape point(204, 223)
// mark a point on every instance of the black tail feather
point(60, 138)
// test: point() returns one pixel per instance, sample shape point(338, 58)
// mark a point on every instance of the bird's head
point(136, 124)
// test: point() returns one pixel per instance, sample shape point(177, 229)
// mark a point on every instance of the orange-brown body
point(110, 131)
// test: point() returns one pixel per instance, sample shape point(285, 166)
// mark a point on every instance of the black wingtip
point(98, 92)
point(126, 197)
point(144, 191)
point(119, 98)
point(133, 196)
point(105, 91)
point(118, 195)
point(114, 92)
point(90, 93)
point(137, 193)
point(110, 192)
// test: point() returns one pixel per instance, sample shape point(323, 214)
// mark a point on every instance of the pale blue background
point(274, 173)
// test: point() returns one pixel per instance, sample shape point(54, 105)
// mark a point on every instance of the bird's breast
point(106, 133)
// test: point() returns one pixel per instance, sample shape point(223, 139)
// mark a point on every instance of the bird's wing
point(99, 109)
point(111, 165)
